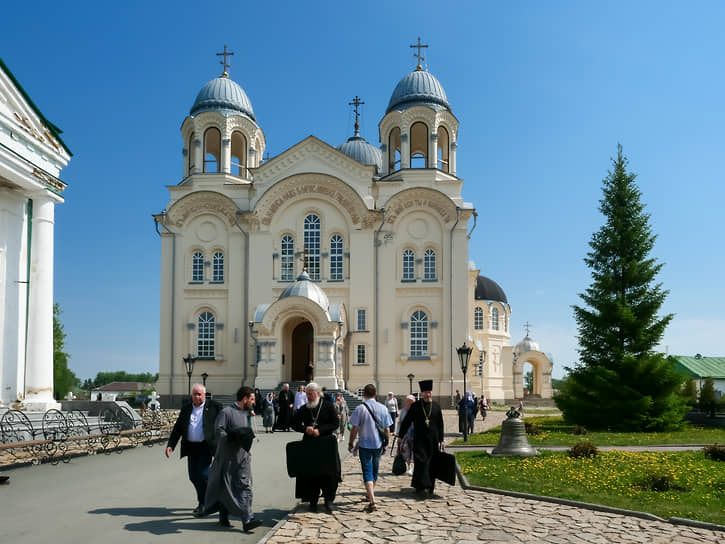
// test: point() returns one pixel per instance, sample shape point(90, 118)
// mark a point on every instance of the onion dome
point(305, 287)
point(487, 289)
point(359, 149)
point(225, 96)
point(527, 344)
point(418, 88)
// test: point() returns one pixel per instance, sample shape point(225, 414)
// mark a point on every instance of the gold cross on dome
point(356, 102)
point(420, 58)
point(224, 63)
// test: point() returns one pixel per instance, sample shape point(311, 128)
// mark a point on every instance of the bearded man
point(284, 415)
point(317, 420)
point(427, 420)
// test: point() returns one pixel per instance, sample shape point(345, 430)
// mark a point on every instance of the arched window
point(478, 318)
point(443, 149)
point(336, 258)
point(494, 319)
point(197, 266)
point(217, 271)
point(239, 155)
point(205, 336)
point(312, 246)
point(191, 155)
point(418, 334)
point(408, 265)
point(429, 265)
point(418, 145)
point(394, 150)
point(212, 149)
point(288, 259)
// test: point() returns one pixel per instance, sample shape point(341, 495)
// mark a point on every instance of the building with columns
point(32, 155)
point(353, 258)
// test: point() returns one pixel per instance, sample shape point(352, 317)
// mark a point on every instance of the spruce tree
point(620, 382)
point(64, 379)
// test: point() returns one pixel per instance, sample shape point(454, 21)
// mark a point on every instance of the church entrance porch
point(302, 351)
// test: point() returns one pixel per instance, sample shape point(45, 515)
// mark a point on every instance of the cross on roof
point(527, 326)
point(421, 58)
point(224, 63)
point(356, 103)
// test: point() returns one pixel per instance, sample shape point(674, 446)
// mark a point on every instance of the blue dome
point(359, 149)
point(224, 96)
point(418, 88)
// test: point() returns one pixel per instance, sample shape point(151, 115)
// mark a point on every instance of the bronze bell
point(513, 441)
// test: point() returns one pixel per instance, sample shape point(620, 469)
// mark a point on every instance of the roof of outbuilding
point(702, 367)
point(124, 386)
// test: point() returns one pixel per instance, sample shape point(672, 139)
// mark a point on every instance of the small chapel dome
point(359, 149)
point(487, 289)
point(418, 88)
point(225, 96)
point(527, 344)
point(305, 287)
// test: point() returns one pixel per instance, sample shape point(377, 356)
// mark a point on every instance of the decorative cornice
point(200, 202)
point(412, 199)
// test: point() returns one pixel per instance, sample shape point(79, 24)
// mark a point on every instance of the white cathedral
point(352, 258)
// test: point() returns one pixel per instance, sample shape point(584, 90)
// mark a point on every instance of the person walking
point(426, 416)
point(365, 419)
point(195, 428)
point(230, 481)
point(391, 403)
point(405, 442)
point(285, 403)
point(343, 415)
point(268, 413)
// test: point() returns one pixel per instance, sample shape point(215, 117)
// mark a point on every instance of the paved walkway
point(461, 516)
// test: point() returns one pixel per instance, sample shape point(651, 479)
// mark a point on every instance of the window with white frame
point(287, 267)
point(197, 266)
point(478, 318)
point(361, 354)
point(362, 321)
point(494, 319)
point(205, 336)
point(217, 271)
point(336, 258)
point(419, 334)
point(408, 265)
point(312, 246)
point(429, 265)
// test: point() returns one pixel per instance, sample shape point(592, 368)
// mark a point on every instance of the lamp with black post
point(464, 354)
point(189, 361)
point(410, 379)
point(204, 376)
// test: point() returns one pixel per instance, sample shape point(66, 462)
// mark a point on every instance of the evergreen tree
point(620, 382)
point(707, 395)
point(64, 379)
point(689, 392)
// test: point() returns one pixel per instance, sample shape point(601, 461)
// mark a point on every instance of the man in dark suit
point(195, 427)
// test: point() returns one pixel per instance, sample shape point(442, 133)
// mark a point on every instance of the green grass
point(614, 478)
point(555, 433)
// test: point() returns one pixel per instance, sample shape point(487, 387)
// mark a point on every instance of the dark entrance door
point(302, 339)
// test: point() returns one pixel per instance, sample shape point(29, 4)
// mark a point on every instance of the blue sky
point(544, 91)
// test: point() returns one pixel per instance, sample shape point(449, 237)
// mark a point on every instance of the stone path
point(461, 516)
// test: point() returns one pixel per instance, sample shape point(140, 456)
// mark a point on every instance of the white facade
point(31, 158)
point(319, 255)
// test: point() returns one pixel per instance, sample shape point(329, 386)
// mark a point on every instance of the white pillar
point(39, 349)
point(225, 156)
point(452, 158)
point(404, 151)
point(433, 156)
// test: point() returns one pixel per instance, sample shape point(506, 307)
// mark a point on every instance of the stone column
point(404, 151)
point(198, 156)
point(452, 158)
point(39, 350)
point(325, 365)
point(225, 156)
point(433, 157)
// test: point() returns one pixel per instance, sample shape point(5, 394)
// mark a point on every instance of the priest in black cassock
point(317, 420)
point(284, 403)
point(427, 420)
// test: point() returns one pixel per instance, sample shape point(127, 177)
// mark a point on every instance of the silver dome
point(305, 287)
point(225, 96)
point(359, 149)
point(527, 344)
point(418, 88)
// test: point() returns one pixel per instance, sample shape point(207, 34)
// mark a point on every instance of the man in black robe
point(284, 416)
point(317, 420)
point(427, 420)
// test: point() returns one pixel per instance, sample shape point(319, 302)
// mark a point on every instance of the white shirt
point(300, 399)
point(196, 429)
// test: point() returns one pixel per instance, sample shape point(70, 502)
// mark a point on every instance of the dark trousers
point(198, 461)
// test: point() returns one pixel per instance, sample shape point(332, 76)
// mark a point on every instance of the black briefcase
point(312, 457)
point(443, 466)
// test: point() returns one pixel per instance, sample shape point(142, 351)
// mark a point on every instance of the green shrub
point(532, 428)
point(579, 429)
point(715, 452)
point(659, 482)
point(583, 449)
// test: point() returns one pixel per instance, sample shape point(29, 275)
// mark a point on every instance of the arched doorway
point(302, 341)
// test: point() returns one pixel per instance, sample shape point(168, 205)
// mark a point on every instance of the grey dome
point(418, 88)
point(305, 287)
point(225, 96)
point(359, 149)
point(527, 344)
point(487, 289)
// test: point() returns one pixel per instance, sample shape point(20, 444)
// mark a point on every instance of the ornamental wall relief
point(420, 198)
point(201, 202)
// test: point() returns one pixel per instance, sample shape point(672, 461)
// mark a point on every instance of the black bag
point(312, 457)
point(381, 428)
point(399, 465)
point(443, 467)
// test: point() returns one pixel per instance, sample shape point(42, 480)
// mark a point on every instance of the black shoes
point(327, 507)
point(313, 507)
point(250, 524)
point(198, 511)
point(224, 522)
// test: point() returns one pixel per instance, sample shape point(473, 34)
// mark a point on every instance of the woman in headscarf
point(465, 414)
point(268, 413)
point(405, 443)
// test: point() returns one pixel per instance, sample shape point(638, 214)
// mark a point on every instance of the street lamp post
point(464, 354)
point(204, 376)
point(189, 361)
point(410, 379)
